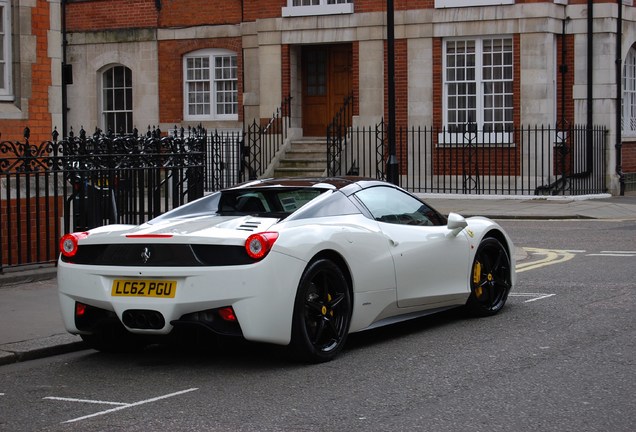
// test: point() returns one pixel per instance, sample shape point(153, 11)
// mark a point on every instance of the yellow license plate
point(144, 288)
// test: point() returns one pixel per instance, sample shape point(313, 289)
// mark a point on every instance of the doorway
point(327, 81)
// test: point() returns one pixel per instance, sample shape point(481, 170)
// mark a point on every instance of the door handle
point(391, 241)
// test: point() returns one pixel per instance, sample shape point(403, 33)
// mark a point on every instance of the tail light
point(258, 245)
point(227, 314)
point(80, 309)
point(69, 243)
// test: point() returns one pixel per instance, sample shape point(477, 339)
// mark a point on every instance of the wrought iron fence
point(223, 161)
point(337, 137)
point(85, 181)
point(529, 160)
point(263, 141)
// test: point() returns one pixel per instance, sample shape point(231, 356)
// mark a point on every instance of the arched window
point(117, 103)
point(629, 93)
point(210, 85)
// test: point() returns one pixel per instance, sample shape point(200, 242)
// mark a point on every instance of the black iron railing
point(84, 181)
point(263, 141)
point(338, 134)
point(529, 160)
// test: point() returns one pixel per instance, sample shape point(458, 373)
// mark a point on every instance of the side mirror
point(456, 223)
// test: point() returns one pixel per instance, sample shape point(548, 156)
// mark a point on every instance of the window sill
point(9, 111)
point(466, 3)
point(211, 119)
point(336, 9)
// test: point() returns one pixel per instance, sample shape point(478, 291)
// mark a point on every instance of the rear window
point(265, 202)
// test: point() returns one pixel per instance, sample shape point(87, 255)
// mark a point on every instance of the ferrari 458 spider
point(299, 262)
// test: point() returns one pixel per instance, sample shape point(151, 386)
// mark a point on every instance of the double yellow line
point(550, 256)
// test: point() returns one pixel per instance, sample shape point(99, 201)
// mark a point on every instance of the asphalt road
point(560, 357)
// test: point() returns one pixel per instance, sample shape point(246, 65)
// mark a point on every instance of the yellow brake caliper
point(477, 278)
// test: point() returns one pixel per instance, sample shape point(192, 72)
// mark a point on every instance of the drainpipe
point(66, 72)
point(590, 84)
point(619, 95)
point(563, 68)
point(392, 167)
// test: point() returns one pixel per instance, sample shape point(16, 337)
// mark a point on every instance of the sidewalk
point(31, 326)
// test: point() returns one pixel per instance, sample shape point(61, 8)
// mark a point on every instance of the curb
point(40, 348)
point(21, 275)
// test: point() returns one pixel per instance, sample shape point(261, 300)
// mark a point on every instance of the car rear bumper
point(261, 295)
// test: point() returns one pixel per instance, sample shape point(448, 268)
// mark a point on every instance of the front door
point(327, 82)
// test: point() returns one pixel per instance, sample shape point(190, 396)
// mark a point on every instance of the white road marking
point(539, 298)
point(85, 401)
point(614, 253)
point(535, 296)
point(121, 406)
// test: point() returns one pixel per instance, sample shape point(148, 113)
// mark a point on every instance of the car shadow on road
point(207, 351)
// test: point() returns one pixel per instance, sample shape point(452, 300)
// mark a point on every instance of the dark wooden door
point(327, 80)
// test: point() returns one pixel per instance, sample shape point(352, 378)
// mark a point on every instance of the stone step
point(309, 144)
point(317, 163)
point(306, 154)
point(307, 157)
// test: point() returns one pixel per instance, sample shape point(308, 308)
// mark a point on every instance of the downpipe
point(619, 95)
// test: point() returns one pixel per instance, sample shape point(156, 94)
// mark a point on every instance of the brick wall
point(171, 73)
point(355, 67)
point(401, 82)
point(38, 118)
point(111, 14)
point(628, 156)
point(569, 79)
point(195, 12)
point(380, 5)
point(482, 161)
point(285, 71)
point(400, 79)
point(258, 9)
point(37, 216)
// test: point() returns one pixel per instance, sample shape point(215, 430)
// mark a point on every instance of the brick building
point(30, 68)
point(495, 63)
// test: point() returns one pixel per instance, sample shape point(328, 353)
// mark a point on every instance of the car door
point(431, 262)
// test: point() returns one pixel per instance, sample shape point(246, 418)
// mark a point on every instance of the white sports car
point(292, 261)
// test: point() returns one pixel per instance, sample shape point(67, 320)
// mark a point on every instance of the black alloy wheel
point(490, 278)
point(322, 312)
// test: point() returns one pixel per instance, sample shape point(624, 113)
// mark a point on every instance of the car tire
point(490, 278)
point(322, 312)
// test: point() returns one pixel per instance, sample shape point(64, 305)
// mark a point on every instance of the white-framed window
point(478, 86)
point(210, 85)
point(117, 100)
point(465, 3)
point(317, 7)
point(6, 57)
point(628, 119)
